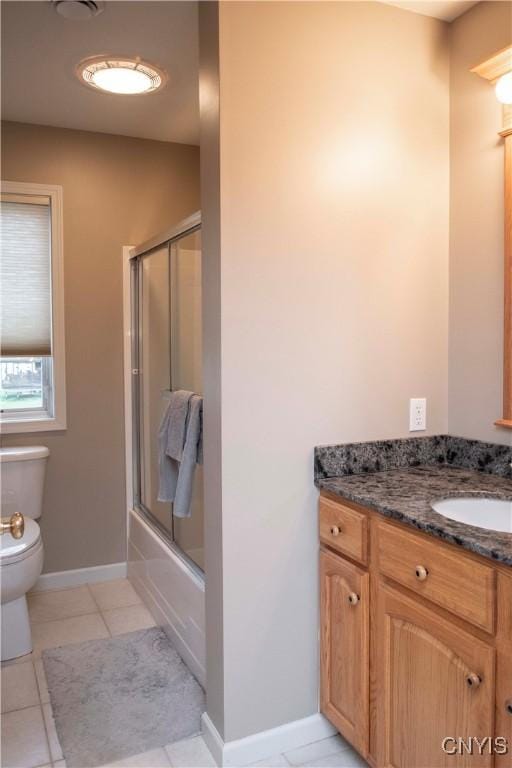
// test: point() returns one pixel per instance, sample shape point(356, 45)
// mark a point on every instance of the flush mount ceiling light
point(120, 75)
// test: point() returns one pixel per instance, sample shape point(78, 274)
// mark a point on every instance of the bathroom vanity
point(416, 609)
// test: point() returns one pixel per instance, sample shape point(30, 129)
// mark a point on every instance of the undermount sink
point(493, 514)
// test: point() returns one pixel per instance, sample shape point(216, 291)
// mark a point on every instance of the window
point(32, 373)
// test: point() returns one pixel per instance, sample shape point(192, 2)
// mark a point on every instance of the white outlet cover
point(417, 414)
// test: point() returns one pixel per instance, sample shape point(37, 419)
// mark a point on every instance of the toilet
point(22, 472)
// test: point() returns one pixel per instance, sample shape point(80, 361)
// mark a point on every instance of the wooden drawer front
point(344, 529)
point(450, 579)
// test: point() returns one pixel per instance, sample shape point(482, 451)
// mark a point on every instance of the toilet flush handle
point(15, 525)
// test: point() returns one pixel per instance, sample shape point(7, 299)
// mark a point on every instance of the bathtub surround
point(117, 191)
point(437, 450)
point(121, 696)
point(174, 594)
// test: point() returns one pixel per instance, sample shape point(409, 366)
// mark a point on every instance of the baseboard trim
point(73, 578)
point(264, 744)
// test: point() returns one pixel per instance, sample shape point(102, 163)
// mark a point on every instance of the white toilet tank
point(22, 472)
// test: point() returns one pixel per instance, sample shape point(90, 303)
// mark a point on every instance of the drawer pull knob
point(421, 572)
point(473, 680)
point(508, 706)
point(353, 598)
point(335, 530)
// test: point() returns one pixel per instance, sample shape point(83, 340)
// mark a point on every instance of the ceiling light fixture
point(121, 75)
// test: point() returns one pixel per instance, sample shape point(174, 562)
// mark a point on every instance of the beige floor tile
point(129, 619)
point(53, 739)
point(316, 750)
point(24, 743)
point(155, 758)
point(117, 593)
point(276, 761)
point(60, 604)
point(190, 753)
point(348, 758)
point(41, 682)
point(19, 687)
point(60, 764)
point(51, 634)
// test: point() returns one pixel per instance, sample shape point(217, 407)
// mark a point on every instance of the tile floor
point(90, 612)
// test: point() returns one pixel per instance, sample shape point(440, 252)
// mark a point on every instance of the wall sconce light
point(498, 71)
point(504, 88)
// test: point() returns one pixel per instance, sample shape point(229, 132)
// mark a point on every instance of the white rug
point(122, 696)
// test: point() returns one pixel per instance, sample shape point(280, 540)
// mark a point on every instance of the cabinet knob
point(335, 530)
point(508, 706)
point(353, 598)
point(421, 572)
point(473, 680)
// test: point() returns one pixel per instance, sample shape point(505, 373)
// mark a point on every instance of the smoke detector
point(78, 10)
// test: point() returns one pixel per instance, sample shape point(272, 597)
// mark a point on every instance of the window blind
point(25, 276)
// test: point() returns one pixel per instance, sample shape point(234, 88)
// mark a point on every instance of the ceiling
point(446, 10)
point(41, 49)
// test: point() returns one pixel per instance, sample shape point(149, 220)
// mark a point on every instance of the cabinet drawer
point(344, 529)
point(450, 579)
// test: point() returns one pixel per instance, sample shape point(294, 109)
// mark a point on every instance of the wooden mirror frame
point(491, 70)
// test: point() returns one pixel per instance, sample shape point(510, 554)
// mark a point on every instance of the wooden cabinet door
point(436, 681)
point(504, 670)
point(344, 598)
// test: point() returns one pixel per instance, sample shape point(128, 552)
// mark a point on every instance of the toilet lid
point(10, 546)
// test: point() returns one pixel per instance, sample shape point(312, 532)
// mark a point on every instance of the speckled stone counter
point(406, 492)
point(379, 455)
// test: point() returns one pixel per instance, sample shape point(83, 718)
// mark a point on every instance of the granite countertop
point(406, 494)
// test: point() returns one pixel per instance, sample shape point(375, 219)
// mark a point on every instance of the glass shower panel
point(154, 374)
point(186, 368)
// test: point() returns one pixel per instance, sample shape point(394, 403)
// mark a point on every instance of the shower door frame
point(133, 381)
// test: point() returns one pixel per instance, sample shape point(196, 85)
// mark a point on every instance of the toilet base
point(16, 634)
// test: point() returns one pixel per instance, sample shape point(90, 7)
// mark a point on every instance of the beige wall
point(117, 191)
point(476, 227)
point(334, 284)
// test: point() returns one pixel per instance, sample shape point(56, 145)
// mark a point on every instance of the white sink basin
point(494, 514)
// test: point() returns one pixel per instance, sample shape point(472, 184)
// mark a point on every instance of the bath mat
point(122, 696)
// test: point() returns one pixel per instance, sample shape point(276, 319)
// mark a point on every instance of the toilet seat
point(13, 550)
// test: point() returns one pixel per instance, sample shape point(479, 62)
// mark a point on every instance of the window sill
point(31, 425)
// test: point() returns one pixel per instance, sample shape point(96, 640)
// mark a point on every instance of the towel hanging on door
point(180, 449)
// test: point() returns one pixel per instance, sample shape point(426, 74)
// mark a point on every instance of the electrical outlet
point(417, 414)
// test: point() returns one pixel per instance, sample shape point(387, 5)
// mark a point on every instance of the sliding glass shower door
point(167, 353)
point(186, 368)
